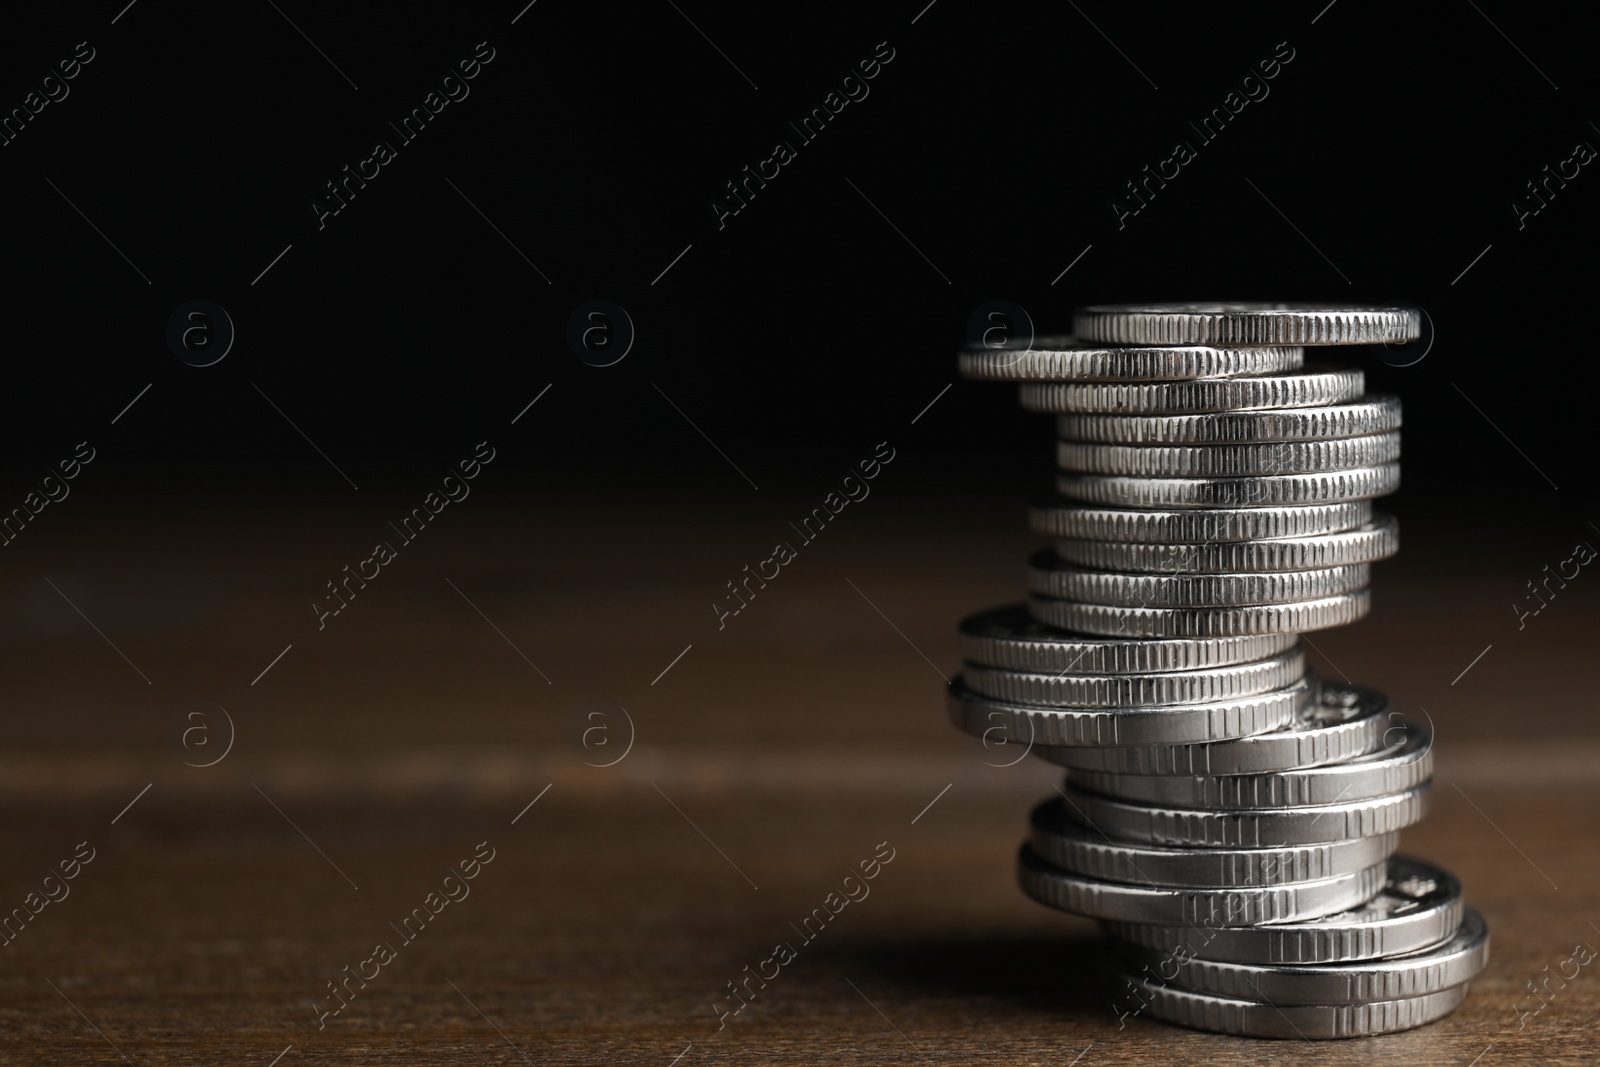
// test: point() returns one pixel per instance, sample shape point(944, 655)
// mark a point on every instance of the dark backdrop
point(823, 316)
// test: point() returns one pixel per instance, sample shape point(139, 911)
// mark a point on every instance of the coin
point(1049, 575)
point(1451, 963)
point(1171, 906)
point(1065, 518)
point(1202, 622)
point(1259, 1018)
point(1376, 540)
point(1247, 324)
point(1080, 850)
point(1051, 359)
point(1367, 415)
point(1208, 496)
point(1311, 387)
point(1121, 491)
point(1248, 828)
point(1420, 906)
point(1346, 722)
point(1138, 690)
point(1009, 638)
point(1170, 724)
point(1403, 766)
point(1229, 460)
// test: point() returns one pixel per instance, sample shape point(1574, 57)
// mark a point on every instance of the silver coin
point(1259, 1018)
point(1247, 324)
point(1451, 963)
point(1403, 766)
point(988, 718)
point(1419, 907)
point(1312, 387)
point(1297, 901)
point(1009, 638)
point(1077, 849)
point(1202, 622)
point(1346, 722)
point(1138, 690)
point(1049, 575)
point(1066, 518)
point(1377, 540)
point(1368, 415)
point(1052, 359)
point(1248, 828)
point(1123, 491)
point(1231, 460)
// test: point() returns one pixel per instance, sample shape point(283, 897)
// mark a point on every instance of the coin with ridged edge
point(1248, 828)
point(987, 717)
point(1067, 518)
point(1009, 638)
point(1138, 690)
point(1368, 415)
point(1346, 722)
point(1258, 1018)
point(1377, 540)
point(1202, 622)
point(1313, 386)
point(1077, 849)
point(1247, 323)
point(1419, 907)
point(1164, 904)
point(1229, 461)
point(1051, 576)
point(1405, 765)
point(1432, 970)
point(1059, 359)
point(1123, 491)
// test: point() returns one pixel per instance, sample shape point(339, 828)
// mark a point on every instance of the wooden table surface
point(767, 761)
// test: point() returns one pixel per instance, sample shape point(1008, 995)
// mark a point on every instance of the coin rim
point(1156, 654)
point(1366, 730)
point(1297, 617)
point(1327, 422)
point(1321, 941)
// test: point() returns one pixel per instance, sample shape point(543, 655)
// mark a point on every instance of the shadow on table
point(1058, 976)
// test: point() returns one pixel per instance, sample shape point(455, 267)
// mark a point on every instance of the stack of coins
point(1229, 818)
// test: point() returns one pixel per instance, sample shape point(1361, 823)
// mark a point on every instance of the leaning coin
point(1049, 575)
point(1419, 907)
point(1066, 518)
point(1248, 828)
point(1138, 690)
point(1167, 905)
point(989, 718)
point(1202, 622)
point(1345, 723)
point(1261, 1018)
point(1125, 491)
point(1231, 460)
point(1377, 540)
point(1060, 359)
point(1405, 765)
point(1082, 851)
point(1312, 387)
point(1368, 415)
point(1451, 963)
point(1247, 324)
point(1010, 639)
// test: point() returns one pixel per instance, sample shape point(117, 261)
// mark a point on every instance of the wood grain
point(768, 762)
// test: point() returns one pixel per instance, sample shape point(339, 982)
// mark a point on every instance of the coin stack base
point(1230, 819)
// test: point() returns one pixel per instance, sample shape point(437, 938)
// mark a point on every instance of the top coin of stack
point(1215, 501)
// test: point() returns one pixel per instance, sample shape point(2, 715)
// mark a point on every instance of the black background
point(808, 328)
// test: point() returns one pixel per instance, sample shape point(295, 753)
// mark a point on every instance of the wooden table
point(768, 760)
